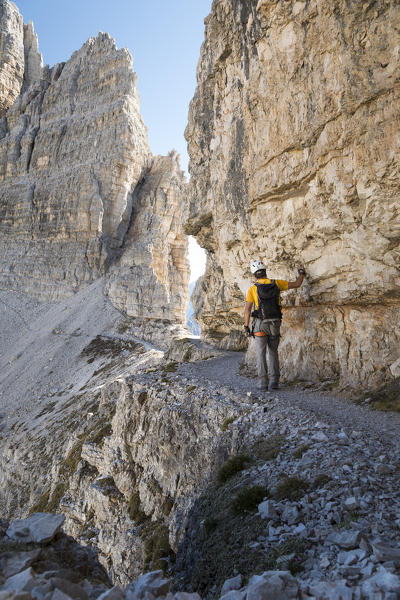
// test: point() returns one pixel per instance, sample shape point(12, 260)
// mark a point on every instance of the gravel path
point(224, 373)
point(40, 343)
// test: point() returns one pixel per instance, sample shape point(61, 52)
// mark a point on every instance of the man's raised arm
point(296, 284)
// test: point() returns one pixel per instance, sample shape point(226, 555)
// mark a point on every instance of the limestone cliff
point(150, 279)
point(79, 186)
point(294, 158)
point(12, 54)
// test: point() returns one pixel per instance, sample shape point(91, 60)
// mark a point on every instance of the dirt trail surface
point(40, 345)
point(223, 372)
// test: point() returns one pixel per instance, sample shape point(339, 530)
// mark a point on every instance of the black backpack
point(268, 301)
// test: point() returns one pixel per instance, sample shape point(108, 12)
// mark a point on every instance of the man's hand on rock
point(301, 271)
point(247, 330)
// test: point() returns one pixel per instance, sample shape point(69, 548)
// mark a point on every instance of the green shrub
point(268, 448)
point(134, 511)
point(249, 498)
point(171, 367)
point(157, 550)
point(291, 488)
point(227, 422)
point(300, 450)
point(233, 465)
point(321, 479)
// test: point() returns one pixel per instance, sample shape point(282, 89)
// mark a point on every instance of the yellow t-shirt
point(252, 293)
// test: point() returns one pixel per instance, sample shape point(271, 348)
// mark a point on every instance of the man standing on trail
point(265, 295)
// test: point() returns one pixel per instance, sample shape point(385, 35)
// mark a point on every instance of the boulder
point(115, 593)
point(15, 562)
point(234, 583)
point(272, 585)
point(347, 541)
point(39, 528)
point(23, 581)
point(385, 552)
point(382, 581)
point(153, 583)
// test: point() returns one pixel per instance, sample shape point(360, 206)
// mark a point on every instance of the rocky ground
point(287, 495)
point(313, 489)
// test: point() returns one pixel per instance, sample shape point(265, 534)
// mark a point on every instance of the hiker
point(265, 295)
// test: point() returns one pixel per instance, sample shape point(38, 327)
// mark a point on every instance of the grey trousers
point(267, 350)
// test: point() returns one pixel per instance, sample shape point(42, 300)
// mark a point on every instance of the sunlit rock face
point(78, 183)
point(293, 140)
point(33, 59)
point(12, 54)
point(73, 149)
point(150, 279)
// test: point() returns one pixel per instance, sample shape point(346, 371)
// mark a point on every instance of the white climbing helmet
point(256, 265)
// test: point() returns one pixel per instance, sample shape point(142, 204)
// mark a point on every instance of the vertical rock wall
point(150, 278)
point(76, 177)
point(73, 149)
point(294, 158)
point(33, 58)
point(12, 54)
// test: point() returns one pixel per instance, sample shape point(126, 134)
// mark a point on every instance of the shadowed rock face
point(292, 139)
point(77, 178)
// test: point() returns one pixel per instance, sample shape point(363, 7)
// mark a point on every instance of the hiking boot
point(273, 385)
point(262, 385)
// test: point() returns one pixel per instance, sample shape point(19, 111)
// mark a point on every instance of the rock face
point(150, 281)
point(293, 142)
point(33, 58)
point(12, 54)
point(73, 149)
point(79, 186)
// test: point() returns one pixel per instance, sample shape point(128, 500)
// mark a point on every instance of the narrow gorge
point(150, 447)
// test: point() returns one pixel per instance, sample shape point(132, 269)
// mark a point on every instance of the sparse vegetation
point(232, 466)
point(227, 422)
point(47, 503)
point(352, 516)
point(291, 488)
point(298, 453)
point(268, 448)
point(210, 525)
point(320, 480)
point(249, 498)
point(294, 548)
point(134, 511)
point(56, 496)
point(190, 388)
point(387, 398)
point(47, 409)
point(222, 540)
point(108, 488)
point(157, 551)
point(41, 504)
point(167, 506)
point(171, 367)
point(123, 327)
point(109, 347)
point(98, 437)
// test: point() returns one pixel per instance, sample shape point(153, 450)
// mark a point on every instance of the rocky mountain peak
point(75, 166)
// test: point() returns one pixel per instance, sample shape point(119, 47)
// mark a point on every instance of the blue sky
point(164, 38)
